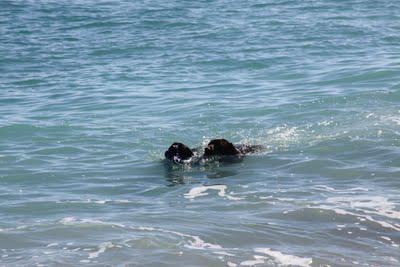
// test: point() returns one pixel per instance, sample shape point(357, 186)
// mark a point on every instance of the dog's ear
point(228, 148)
point(184, 151)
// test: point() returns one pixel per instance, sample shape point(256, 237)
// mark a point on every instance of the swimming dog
point(217, 148)
point(222, 147)
point(178, 153)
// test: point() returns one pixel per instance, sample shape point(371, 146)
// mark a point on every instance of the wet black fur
point(179, 152)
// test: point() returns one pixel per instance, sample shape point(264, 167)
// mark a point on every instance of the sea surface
point(93, 92)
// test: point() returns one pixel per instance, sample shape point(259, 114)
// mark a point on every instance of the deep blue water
point(93, 92)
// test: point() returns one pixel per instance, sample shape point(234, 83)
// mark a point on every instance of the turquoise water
point(93, 92)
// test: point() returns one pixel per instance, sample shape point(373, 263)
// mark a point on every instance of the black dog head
point(178, 152)
point(220, 147)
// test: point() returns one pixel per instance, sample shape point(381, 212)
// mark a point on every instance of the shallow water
point(93, 92)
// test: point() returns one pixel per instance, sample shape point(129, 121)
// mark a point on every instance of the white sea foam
point(358, 189)
point(78, 221)
point(195, 242)
point(377, 209)
point(391, 119)
point(202, 191)
point(343, 191)
point(257, 260)
point(224, 253)
point(145, 228)
point(197, 192)
point(325, 188)
point(101, 201)
point(96, 201)
point(378, 205)
point(68, 220)
point(198, 243)
point(369, 115)
point(285, 199)
point(267, 197)
point(360, 216)
point(102, 248)
point(285, 259)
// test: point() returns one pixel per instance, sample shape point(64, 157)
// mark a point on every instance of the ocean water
point(93, 92)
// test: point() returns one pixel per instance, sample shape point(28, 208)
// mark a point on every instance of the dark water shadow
point(178, 174)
